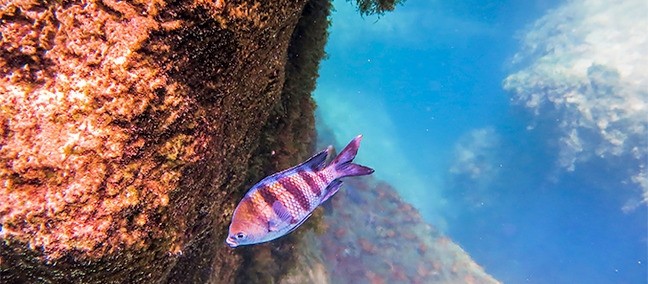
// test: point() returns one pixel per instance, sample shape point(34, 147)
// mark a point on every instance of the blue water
point(423, 84)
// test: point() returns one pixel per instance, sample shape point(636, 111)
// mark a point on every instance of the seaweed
point(375, 7)
point(288, 138)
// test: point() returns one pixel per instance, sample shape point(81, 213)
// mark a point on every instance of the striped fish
point(279, 203)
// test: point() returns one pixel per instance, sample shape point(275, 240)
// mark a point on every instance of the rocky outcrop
point(372, 236)
point(367, 234)
point(128, 130)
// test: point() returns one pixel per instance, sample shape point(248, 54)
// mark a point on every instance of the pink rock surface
point(125, 127)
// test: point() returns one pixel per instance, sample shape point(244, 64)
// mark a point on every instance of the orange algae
point(59, 140)
point(137, 166)
point(108, 137)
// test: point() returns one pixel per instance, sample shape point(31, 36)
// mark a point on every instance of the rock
point(405, 250)
point(129, 130)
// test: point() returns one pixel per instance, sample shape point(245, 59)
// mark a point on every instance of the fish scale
point(313, 193)
point(286, 198)
point(297, 190)
point(310, 180)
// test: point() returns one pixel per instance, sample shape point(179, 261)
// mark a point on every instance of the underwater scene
point(319, 141)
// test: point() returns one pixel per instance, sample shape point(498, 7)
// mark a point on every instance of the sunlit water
point(532, 176)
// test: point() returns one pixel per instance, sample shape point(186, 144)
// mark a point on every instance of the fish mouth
point(231, 243)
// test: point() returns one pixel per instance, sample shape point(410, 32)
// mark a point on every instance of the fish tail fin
point(343, 162)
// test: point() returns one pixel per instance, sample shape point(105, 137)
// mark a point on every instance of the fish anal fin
point(331, 189)
point(299, 223)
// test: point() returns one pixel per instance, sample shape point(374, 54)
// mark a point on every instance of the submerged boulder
point(369, 235)
point(127, 132)
point(382, 239)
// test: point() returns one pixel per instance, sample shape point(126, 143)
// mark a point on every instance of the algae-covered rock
point(375, 7)
point(127, 131)
point(369, 235)
point(379, 238)
point(290, 121)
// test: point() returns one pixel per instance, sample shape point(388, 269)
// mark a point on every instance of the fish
point(280, 203)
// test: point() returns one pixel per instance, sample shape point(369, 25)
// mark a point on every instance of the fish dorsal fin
point(331, 189)
point(316, 163)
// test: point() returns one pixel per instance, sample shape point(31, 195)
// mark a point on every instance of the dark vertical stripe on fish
point(296, 192)
point(268, 195)
point(312, 184)
point(322, 178)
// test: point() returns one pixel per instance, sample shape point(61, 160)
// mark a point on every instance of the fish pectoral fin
point(284, 218)
point(282, 212)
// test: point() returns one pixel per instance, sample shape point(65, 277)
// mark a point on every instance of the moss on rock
point(288, 138)
point(127, 131)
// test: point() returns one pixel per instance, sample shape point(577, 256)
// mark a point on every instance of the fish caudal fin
point(343, 162)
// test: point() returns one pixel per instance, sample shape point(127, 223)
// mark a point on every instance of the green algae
point(375, 7)
point(288, 138)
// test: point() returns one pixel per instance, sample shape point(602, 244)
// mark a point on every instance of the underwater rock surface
point(383, 239)
point(128, 130)
point(369, 235)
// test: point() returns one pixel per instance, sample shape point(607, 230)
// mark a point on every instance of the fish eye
point(240, 235)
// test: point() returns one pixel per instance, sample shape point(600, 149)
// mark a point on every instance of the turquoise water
point(516, 127)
